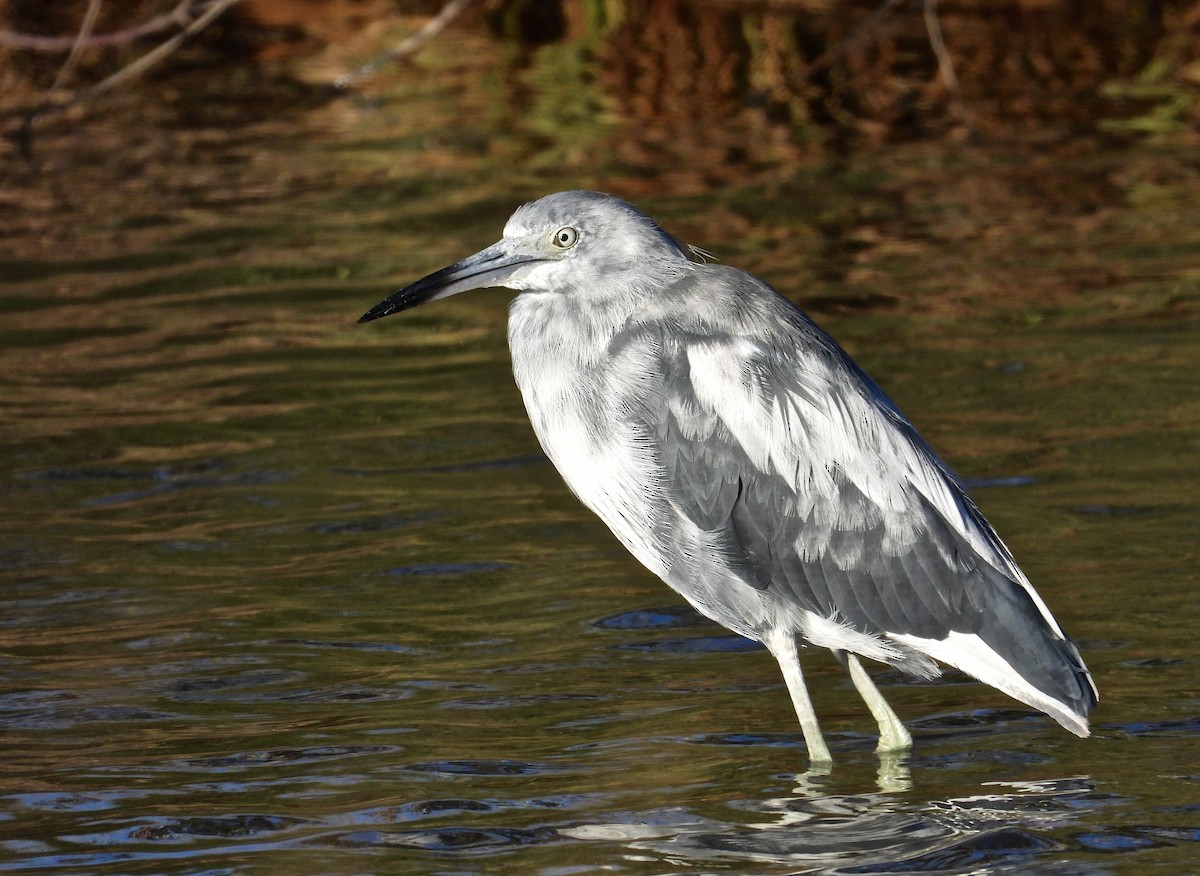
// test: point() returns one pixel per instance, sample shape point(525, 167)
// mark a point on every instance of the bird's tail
point(1045, 669)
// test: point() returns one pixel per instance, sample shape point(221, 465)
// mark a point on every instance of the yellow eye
point(565, 238)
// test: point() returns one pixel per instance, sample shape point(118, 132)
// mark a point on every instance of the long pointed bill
point(489, 267)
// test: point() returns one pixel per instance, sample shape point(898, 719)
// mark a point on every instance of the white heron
point(740, 454)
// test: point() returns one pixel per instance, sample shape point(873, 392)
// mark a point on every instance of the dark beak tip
point(377, 312)
point(474, 272)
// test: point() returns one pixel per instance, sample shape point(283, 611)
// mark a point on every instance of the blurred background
point(280, 593)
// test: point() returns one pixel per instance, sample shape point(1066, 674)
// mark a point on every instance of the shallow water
point(286, 594)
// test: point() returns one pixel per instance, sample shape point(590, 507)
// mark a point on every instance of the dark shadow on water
point(483, 767)
point(381, 523)
point(205, 474)
point(482, 465)
point(442, 569)
point(695, 645)
point(453, 839)
point(667, 617)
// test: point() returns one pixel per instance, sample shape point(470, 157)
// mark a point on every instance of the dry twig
point(148, 60)
point(945, 65)
point(81, 38)
point(408, 46)
point(181, 15)
point(932, 27)
point(184, 12)
point(859, 34)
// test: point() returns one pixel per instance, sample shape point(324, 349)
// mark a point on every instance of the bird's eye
point(565, 238)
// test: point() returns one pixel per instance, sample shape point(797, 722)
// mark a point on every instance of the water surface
point(286, 594)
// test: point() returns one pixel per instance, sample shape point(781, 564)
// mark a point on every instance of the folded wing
point(818, 492)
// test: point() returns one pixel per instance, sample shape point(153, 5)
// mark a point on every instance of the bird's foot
point(894, 738)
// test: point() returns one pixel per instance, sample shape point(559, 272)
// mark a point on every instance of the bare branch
point(945, 65)
point(148, 60)
point(859, 34)
point(177, 17)
point(23, 135)
point(81, 38)
point(407, 46)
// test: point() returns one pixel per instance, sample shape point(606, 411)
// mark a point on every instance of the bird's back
point(741, 455)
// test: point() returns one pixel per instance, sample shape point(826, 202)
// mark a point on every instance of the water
point(286, 594)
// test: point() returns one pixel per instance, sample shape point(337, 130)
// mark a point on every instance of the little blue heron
point(741, 455)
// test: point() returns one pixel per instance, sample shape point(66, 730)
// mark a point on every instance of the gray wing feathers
point(839, 551)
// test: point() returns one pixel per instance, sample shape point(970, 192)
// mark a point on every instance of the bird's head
point(577, 242)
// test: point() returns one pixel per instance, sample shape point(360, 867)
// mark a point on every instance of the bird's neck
point(567, 327)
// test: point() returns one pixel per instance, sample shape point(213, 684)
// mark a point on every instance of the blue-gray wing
point(818, 492)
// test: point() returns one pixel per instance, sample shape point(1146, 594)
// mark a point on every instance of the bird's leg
point(893, 735)
point(783, 646)
point(894, 774)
